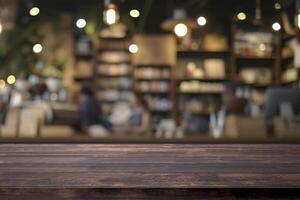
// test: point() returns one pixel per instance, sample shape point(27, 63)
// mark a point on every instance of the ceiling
point(218, 12)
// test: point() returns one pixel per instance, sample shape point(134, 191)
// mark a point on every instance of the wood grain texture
point(157, 194)
point(142, 139)
point(143, 166)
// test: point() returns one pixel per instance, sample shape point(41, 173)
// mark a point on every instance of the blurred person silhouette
point(139, 119)
point(92, 119)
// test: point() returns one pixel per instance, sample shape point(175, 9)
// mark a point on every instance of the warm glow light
point(11, 79)
point(201, 21)
point(80, 23)
point(2, 84)
point(134, 13)
point(1, 28)
point(111, 16)
point(277, 6)
point(34, 11)
point(133, 48)
point(276, 26)
point(262, 47)
point(298, 20)
point(191, 66)
point(181, 30)
point(241, 16)
point(37, 48)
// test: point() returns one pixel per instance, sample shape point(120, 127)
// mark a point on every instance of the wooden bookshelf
point(114, 71)
point(154, 74)
point(83, 72)
point(186, 98)
point(262, 60)
point(287, 62)
point(163, 56)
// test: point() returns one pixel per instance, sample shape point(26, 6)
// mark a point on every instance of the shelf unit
point(84, 58)
point(266, 57)
point(113, 72)
point(154, 74)
point(84, 70)
point(200, 103)
point(152, 56)
point(289, 74)
point(155, 88)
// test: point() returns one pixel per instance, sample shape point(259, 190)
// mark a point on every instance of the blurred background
point(149, 70)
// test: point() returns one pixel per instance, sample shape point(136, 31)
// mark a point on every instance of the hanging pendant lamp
point(179, 23)
point(110, 14)
point(8, 13)
point(258, 18)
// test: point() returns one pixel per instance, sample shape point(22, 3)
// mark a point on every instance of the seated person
point(3, 111)
point(91, 116)
point(139, 120)
point(232, 103)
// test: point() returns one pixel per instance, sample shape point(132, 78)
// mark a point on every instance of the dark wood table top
point(62, 166)
point(148, 139)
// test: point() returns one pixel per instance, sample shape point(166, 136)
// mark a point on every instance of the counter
point(148, 170)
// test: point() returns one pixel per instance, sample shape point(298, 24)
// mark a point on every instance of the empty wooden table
point(160, 171)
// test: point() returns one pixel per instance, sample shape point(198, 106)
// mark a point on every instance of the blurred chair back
point(282, 105)
point(276, 97)
point(10, 127)
point(30, 121)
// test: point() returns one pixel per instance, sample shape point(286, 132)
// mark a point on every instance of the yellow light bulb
point(81, 23)
point(11, 79)
point(134, 13)
point(201, 21)
point(34, 11)
point(181, 30)
point(133, 48)
point(276, 26)
point(241, 16)
point(111, 15)
point(37, 48)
